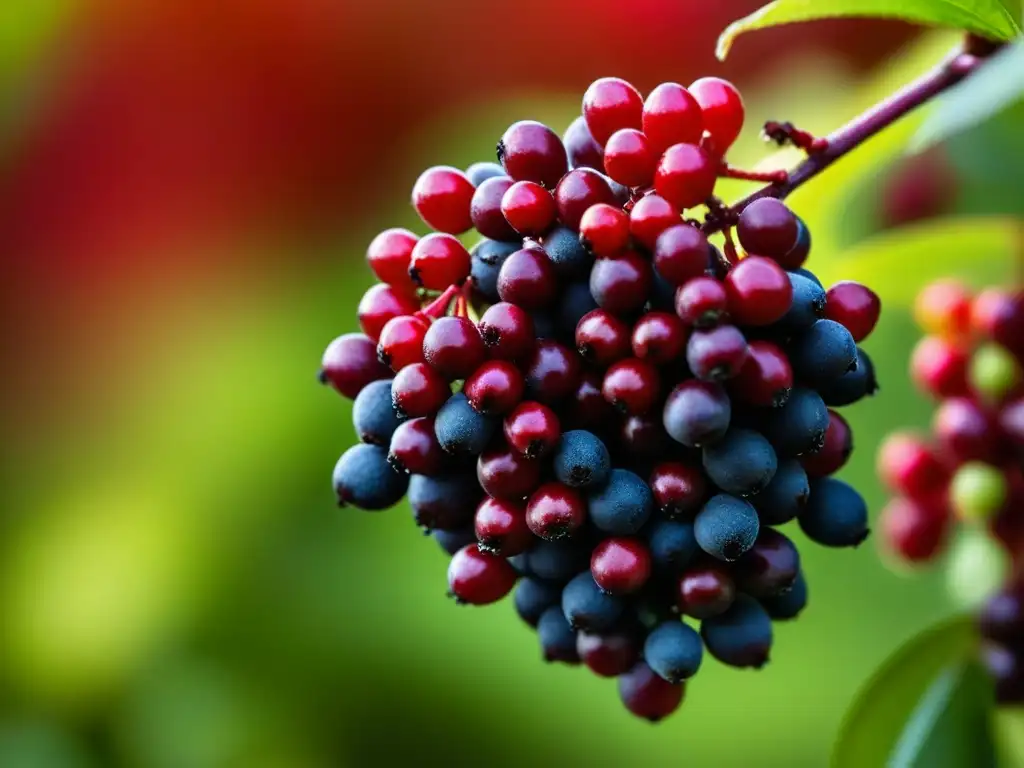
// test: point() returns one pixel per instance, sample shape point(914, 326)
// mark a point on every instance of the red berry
point(528, 279)
point(770, 567)
point(685, 175)
point(604, 229)
point(602, 338)
point(704, 591)
point(966, 431)
point(632, 386)
point(939, 367)
point(647, 695)
point(495, 388)
point(620, 565)
point(381, 303)
point(943, 308)
point(530, 151)
point(609, 654)
point(588, 409)
point(501, 529)
point(766, 377)
point(609, 105)
point(702, 302)
point(441, 197)
point(906, 465)
point(651, 216)
point(478, 578)
point(401, 342)
point(854, 306)
point(998, 315)
point(529, 208)
point(439, 260)
point(485, 209)
point(716, 354)
point(507, 331)
point(629, 158)
point(552, 372)
point(914, 530)
point(555, 511)
point(679, 490)
point(505, 474)
point(644, 437)
point(659, 338)
point(350, 363)
point(834, 453)
point(722, 110)
point(419, 390)
point(672, 116)
point(389, 255)
point(532, 429)
point(759, 291)
point(768, 228)
point(453, 347)
point(621, 285)
point(681, 254)
point(414, 448)
point(583, 151)
point(579, 190)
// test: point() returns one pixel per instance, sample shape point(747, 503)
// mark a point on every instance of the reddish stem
point(787, 133)
point(439, 306)
point(727, 171)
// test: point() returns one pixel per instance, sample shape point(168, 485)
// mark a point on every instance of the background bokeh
point(186, 191)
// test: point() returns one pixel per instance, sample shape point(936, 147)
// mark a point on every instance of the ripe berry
point(495, 388)
point(439, 260)
point(789, 604)
point(726, 527)
point(507, 331)
point(604, 229)
point(651, 216)
point(381, 303)
point(447, 502)
point(998, 315)
point(530, 151)
point(602, 338)
point(716, 354)
point(478, 173)
point(855, 306)
point(659, 337)
point(528, 279)
point(994, 372)
point(834, 453)
point(486, 260)
point(623, 505)
point(500, 527)
point(705, 590)
point(784, 497)
point(966, 431)
point(419, 390)
point(587, 409)
point(798, 254)
point(532, 429)
point(672, 545)
point(978, 491)
point(452, 541)
point(586, 606)
point(672, 116)
point(853, 385)
point(722, 110)
point(632, 386)
point(363, 479)
point(679, 489)
point(610, 104)
point(681, 254)
point(373, 415)
point(569, 257)
point(799, 426)
point(629, 158)
point(557, 638)
point(534, 596)
point(765, 379)
point(808, 304)
point(674, 651)
point(581, 460)
point(583, 151)
point(485, 209)
point(552, 372)
point(742, 463)
point(441, 197)
point(768, 228)
point(555, 560)
point(579, 190)
point(822, 353)
point(685, 176)
point(576, 301)
point(943, 308)
point(414, 448)
point(835, 515)
point(702, 302)
point(609, 654)
point(697, 413)
point(555, 511)
point(913, 530)
point(505, 474)
point(740, 637)
point(907, 465)
point(350, 363)
point(620, 566)
point(461, 430)
point(759, 291)
point(453, 347)
point(647, 695)
point(621, 284)
point(939, 367)
point(401, 342)
point(1002, 617)
point(643, 438)
point(528, 208)
point(770, 567)
point(479, 578)
point(389, 255)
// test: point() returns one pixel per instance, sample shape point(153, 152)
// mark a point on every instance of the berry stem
point(787, 133)
point(439, 306)
point(727, 171)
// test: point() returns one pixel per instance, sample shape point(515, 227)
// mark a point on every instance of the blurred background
point(187, 189)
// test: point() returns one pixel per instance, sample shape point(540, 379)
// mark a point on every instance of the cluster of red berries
point(971, 467)
point(596, 404)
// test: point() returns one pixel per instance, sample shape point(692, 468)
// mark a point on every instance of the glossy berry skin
point(939, 367)
point(500, 527)
point(716, 354)
point(486, 260)
point(788, 605)
point(507, 331)
point(441, 196)
point(380, 304)
point(672, 116)
point(401, 342)
point(452, 541)
point(798, 254)
point(555, 511)
point(505, 474)
point(363, 479)
point(768, 228)
point(632, 386)
point(578, 190)
point(495, 388)
point(998, 315)
point(721, 108)
point(608, 654)
point(534, 596)
point(643, 438)
point(586, 606)
point(651, 216)
point(770, 567)
point(530, 151)
point(610, 104)
point(629, 158)
point(478, 173)
point(623, 505)
point(453, 347)
point(479, 578)
point(532, 429)
point(462, 431)
point(740, 637)
point(674, 651)
point(966, 431)
point(672, 545)
point(389, 255)
point(414, 448)
point(705, 590)
point(621, 566)
point(943, 308)
point(759, 291)
point(659, 338)
point(914, 531)
point(373, 416)
point(854, 306)
point(679, 489)
point(581, 460)
point(552, 372)
point(834, 452)
point(439, 260)
point(621, 284)
point(907, 465)
point(528, 279)
point(587, 408)
point(702, 302)
point(602, 338)
point(798, 427)
point(726, 527)
point(528, 208)
point(835, 515)
point(808, 304)
point(697, 413)
point(557, 638)
point(485, 209)
point(766, 378)
point(565, 251)
point(604, 229)
point(685, 176)
point(647, 695)
point(681, 254)
point(822, 353)
point(446, 502)
point(853, 385)
point(581, 148)
point(419, 390)
point(350, 363)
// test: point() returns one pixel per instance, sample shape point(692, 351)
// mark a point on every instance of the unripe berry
point(978, 491)
point(993, 372)
point(943, 308)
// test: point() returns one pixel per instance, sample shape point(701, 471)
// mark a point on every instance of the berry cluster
point(599, 405)
point(971, 468)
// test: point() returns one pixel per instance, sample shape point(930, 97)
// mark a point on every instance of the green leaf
point(996, 19)
point(996, 86)
point(928, 706)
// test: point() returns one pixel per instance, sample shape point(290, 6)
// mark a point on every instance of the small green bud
point(994, 372)
point(978, 491)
